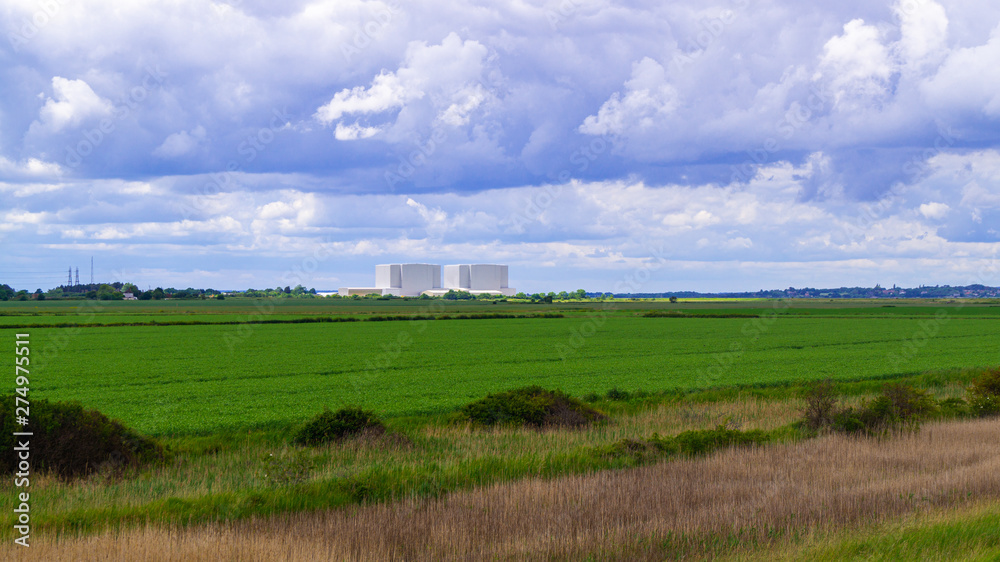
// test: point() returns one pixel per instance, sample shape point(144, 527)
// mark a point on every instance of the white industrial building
point(415, 279)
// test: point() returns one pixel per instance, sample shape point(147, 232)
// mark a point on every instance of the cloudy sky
point(611, 146)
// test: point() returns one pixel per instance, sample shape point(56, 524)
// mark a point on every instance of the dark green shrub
point(702, 441)
point(70, 441)
point(899, 407)
point(616, 394)
point(334, 426)
point(532, 406)
point(953, 408)
point(984, 394)
point(821, 405)
point(692, 443)
point(847, 420)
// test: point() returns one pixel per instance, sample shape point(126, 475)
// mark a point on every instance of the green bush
point(953, 408)
point(984, 394)
point(821, 405)
point(899, 407)
point(617, 394)
point(702, 441)
point(691, 443)
point(532, 406)
point(70, 441)
point(334, 426)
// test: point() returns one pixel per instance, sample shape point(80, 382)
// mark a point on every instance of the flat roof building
point(415, 279)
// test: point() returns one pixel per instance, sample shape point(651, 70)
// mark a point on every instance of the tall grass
point(230, 477)
point(733, 501)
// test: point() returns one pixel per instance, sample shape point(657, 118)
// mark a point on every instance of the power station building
point(415, 279)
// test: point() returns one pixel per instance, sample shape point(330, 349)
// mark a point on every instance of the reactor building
point(415, 279)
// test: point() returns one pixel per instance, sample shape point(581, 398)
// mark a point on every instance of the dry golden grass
point(698, 507)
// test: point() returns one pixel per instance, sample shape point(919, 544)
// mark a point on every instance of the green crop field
point(199, 378)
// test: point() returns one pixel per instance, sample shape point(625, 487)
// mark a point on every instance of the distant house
point(129, 297)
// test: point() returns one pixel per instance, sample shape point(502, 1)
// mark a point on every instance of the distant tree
point(581, 294)
point(563, 295)
point(673, 299)
point(145, 295)
point(6, 292)
point(521, 296)
point(287, 290)
point(220, 297)
point(108, 293)
point(158, 294)
point(92, 295)
point(547, 299)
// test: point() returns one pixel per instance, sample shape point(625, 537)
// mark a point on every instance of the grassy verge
point(966, 533)
point(909, 497)
point(231, 476)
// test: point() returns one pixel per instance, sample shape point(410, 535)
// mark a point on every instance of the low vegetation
point(531, 406)
point(984, 394)
point(747, 503)
point(69, 441)
point(334, 426)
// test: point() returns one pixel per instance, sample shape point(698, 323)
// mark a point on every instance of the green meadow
point(194, 378)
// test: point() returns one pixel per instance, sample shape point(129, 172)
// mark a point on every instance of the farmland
point(224, 389)
point(193, 378)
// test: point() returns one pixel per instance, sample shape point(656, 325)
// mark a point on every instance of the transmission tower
point(69, 280)
point(91, 270)
point(78, 276)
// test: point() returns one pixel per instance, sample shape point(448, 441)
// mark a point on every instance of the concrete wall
point(389, 275)
point(456, 277)
point(476, 278)
point(413, 279)
point(419, 277)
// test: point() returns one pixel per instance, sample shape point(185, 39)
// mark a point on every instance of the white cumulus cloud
point(648, 97)
point(74, 101)
point(179, 144)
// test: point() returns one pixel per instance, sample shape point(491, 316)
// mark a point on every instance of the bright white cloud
point(386, 92)
point(856, 64)
point(934, 210)
point(923, 29)
point(647, 99)
point(30, 168)
point(74, 101)
point(354, 132)
point(444, 78)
